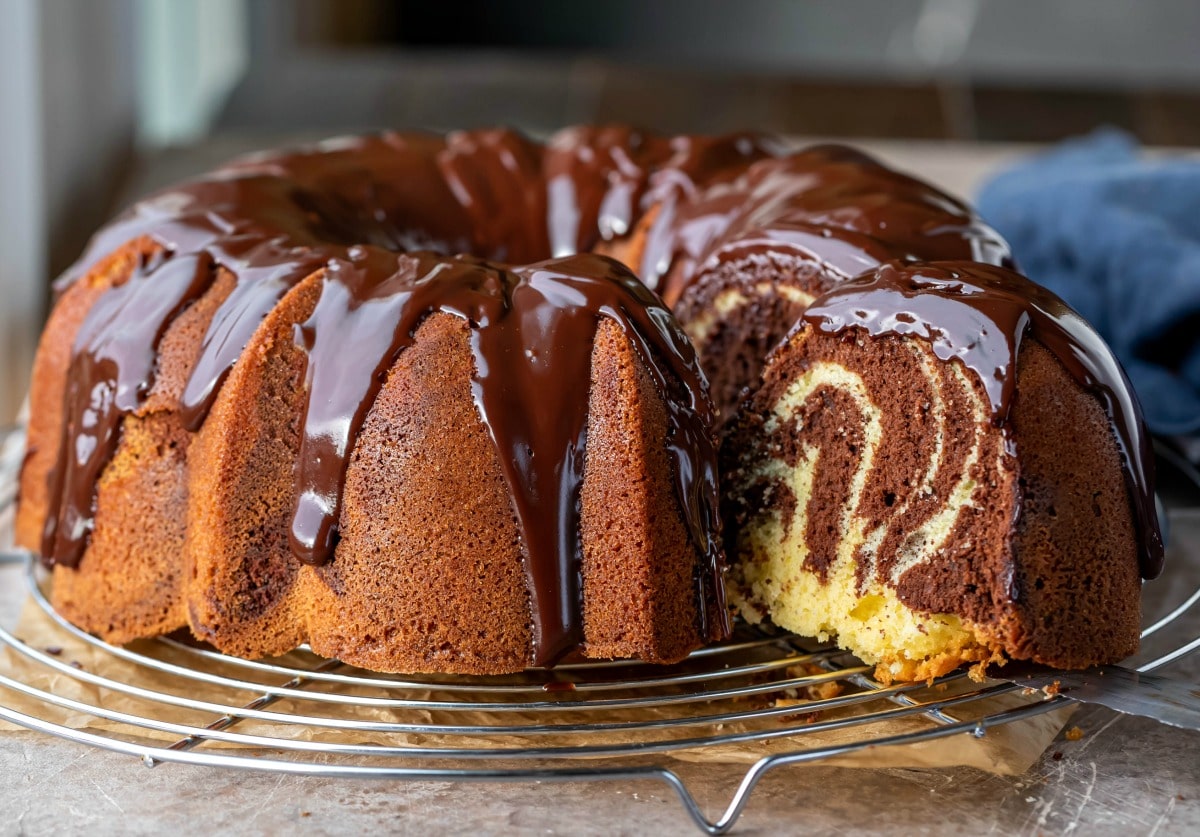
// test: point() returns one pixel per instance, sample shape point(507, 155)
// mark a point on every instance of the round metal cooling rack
point(595, 721)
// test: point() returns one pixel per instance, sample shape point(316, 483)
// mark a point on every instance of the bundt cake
point(397, 397)
point(944, 464)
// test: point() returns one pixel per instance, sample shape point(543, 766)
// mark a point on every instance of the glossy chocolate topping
point(600, 180)
point(112, 370)
point(979, 314)
point(827, 203)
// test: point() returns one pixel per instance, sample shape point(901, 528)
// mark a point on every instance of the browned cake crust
point(241, 575)
point(48, 384)
point(1076, 586)
point(430, 572)
point(638, 571)
point(131, 585)
point(638, 568)
point(193, 528)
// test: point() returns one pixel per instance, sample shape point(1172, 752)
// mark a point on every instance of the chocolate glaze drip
point(699, 166)
point(532, 335)
point(828, 203)
point(595, 178)
point(979, 314)
point(273, 219)
point(264, 274)
point(112, 371)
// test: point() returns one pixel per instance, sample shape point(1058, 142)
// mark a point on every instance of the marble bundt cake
point(396, 396)
point(944, 464)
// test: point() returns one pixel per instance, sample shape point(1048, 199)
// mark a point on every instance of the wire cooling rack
point(599, 721)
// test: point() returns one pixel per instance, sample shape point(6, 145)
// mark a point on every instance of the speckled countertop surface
point(1125, 776)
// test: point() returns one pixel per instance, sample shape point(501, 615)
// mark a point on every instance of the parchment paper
point(1010, 749)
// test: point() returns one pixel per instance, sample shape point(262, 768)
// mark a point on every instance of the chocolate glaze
point(496, 176)
point(828, 203)
point(600, 180)
point(594, 181)
point(273, 219)
point(979, 314)
point(112, 370)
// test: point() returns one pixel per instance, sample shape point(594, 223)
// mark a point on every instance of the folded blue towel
point(1118, 237)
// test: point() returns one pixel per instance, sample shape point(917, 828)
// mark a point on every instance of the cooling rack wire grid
point(598, 721)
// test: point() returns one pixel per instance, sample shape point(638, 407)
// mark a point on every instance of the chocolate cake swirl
point(980, 315)
point(740, 262)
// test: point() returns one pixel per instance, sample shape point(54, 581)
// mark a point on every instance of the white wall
point(22, 214)
point(192, 53)
point(89, 108)
point(67, 95)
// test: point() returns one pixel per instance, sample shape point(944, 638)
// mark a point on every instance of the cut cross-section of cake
point(944, 465)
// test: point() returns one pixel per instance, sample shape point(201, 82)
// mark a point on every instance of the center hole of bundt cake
point(334, 219)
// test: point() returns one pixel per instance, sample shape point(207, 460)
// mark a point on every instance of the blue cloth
point(1118, 237)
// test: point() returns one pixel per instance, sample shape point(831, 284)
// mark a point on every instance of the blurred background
point(106, 99)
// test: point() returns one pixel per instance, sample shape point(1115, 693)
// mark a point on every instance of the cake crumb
point(825, 690)
point(1052, 689)
point(1057, 756)
point(1074, 734)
